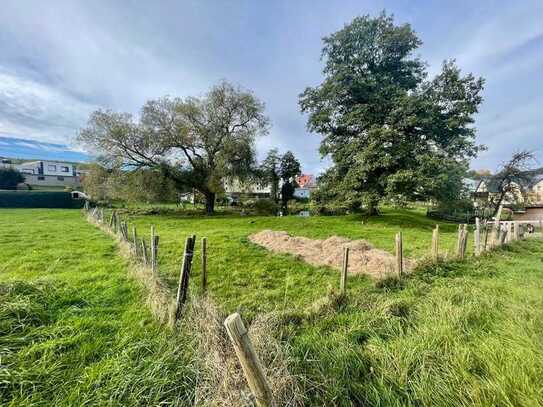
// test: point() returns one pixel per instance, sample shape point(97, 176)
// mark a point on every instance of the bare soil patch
point(363, 257)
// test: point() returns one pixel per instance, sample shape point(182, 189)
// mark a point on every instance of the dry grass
point(363, 256)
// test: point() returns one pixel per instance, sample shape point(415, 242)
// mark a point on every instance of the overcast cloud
point(60, 60)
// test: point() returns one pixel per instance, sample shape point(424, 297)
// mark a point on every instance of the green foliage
point(271, 172)
point(265, 207)
point(38, 199)
point(139, 185)
point(389, 131)
point(295, 206)
point(290, 166)
point(195, 142)
point(10, 177)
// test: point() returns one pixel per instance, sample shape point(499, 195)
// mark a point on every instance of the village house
point(306, 184)
point(530, 198)
point(235, 188)
point(50, 173)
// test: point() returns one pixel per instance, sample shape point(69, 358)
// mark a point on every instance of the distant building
point(306, 184)
point(236, 188)
point(50, 173)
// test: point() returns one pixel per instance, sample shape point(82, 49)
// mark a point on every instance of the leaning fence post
point(399, 254)
point(204, 264)
point(477, 237)
point(184, 276)
point(250, 363)
point(435, 243)
point(344, 269)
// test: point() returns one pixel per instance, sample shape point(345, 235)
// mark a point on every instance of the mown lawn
point(75, 330)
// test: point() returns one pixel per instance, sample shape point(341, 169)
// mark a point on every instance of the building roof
point(305, 180)
point(471, 184)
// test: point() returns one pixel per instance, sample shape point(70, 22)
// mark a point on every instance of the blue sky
point(60, 60)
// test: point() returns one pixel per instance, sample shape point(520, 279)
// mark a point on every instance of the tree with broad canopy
point(197, 142)
point(389, 131)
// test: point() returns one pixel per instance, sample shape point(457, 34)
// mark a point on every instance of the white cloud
point(32, 110)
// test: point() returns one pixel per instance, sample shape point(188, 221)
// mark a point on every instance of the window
point(60, 178)
point(64, 169)
point(41, 178)
point(51, 168)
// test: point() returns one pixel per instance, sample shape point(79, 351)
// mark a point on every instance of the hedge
point(38, 199)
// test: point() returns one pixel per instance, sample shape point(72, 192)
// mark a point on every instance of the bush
point(265, 207)
point(331, 208)
point(38, 199)
point(10, 177)
point(296, 206)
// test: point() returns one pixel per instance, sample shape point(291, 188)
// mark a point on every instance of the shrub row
point(38, 199)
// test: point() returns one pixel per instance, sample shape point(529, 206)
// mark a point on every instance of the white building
point(49, 173)
point(236, 188)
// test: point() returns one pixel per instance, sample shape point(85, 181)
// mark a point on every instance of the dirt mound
point(363, 257)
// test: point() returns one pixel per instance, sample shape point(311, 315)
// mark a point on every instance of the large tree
point(197, 142)
point(289, 168)
point(270, 172)
point(389, 130)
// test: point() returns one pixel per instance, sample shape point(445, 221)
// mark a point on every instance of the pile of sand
point(363, 257)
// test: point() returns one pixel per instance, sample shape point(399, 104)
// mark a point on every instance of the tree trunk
point(373, 210)
point(210, 203)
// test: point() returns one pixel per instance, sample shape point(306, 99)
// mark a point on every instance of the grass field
point(74, 329)
point(249, 278)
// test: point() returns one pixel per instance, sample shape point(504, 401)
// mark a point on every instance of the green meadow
point(74, 328)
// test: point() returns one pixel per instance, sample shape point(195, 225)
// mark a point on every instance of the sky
point(61, 60)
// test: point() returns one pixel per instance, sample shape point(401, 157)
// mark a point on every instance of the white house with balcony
point(50, 173)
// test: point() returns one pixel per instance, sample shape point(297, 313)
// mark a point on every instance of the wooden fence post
point(114, 222)
point(477, 237)
point(250, 363)
point(504, 236)
point(344, 270)
point(435, 243)
point(459, 240)
point(516, 230)
point(204, 264)
point(184, 276)
point(144, 251)
point(399, 254)
point(135, 239)
point(154, 254)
